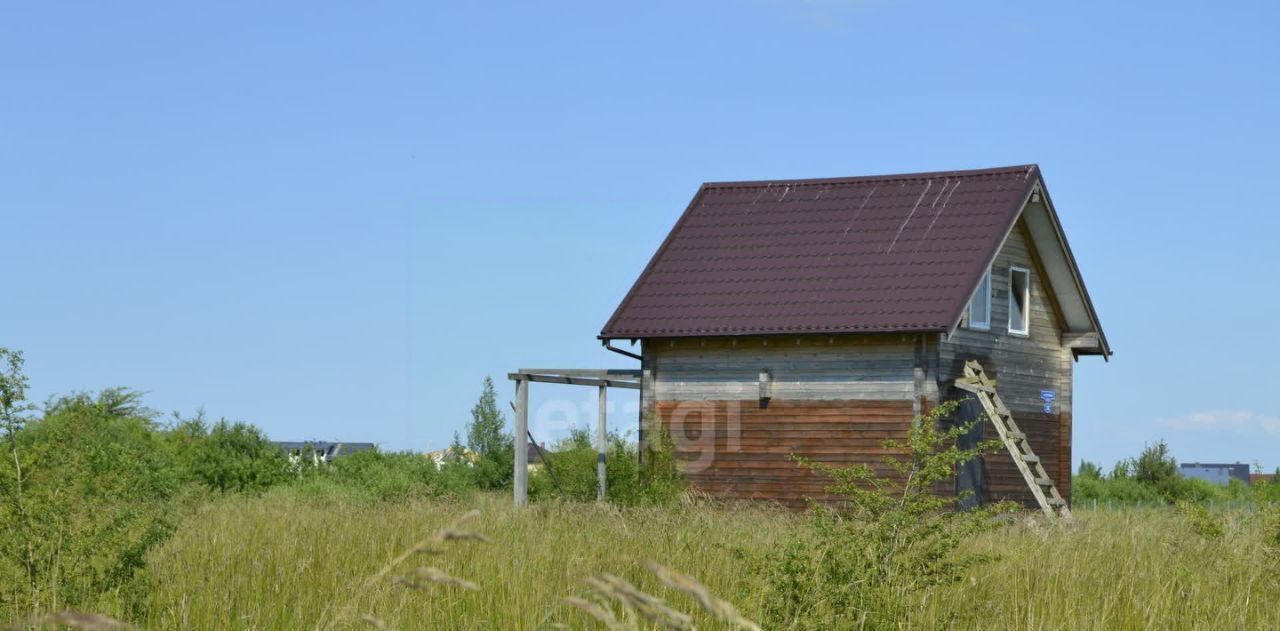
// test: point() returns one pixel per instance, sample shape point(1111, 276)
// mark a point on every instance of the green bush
point(569, 472)
point(1113, 489)
point(378, 475)
point(227, 457)
point(864, 564)
point(1090, 470)
point(1153, 478)
point(96, 491)
point(1267, 492)
point(1200, 520)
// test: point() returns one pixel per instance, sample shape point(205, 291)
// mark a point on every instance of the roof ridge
point(1017, 168)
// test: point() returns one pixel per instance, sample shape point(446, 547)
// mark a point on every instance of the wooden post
point(602, 445)
point(520, 482)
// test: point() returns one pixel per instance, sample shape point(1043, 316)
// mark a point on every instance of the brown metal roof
point(850, 255)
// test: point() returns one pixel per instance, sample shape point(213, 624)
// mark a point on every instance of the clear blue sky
point(335, 219)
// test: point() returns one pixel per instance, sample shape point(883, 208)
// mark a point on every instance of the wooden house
point(816, 318)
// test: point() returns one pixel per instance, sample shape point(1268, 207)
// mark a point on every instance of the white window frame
point(1025, 330)
point(986, 298)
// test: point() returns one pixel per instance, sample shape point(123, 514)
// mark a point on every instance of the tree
point(485, 434)
point(487, 437)
point(1090, 470)
point(13, 417)
point(1155, 465)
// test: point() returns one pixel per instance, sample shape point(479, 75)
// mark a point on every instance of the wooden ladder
point(975, 380)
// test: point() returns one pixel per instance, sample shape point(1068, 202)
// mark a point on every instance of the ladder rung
point(977, 382)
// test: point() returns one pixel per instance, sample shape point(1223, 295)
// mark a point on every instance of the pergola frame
point(601, 378)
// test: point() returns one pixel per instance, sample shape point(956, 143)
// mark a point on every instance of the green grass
point(280, 562)
point(284, 561)
point(1131, 569)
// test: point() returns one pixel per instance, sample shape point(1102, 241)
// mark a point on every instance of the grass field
point(287, 562)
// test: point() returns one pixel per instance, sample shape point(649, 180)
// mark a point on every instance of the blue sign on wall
point(1048, 396)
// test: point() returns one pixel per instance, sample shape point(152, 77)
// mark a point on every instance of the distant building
point(1215, 473)
point(319, 451)
point(441, 456)
point(1261, 478)
point(536, 452)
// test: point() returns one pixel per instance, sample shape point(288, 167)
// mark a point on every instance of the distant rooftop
point(1217, 473)
point(320, 448)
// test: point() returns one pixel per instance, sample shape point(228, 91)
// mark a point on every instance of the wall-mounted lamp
point(766, 387)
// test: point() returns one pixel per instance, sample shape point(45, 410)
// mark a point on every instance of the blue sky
point(335, 219)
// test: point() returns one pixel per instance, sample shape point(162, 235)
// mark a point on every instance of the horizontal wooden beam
point(575, 381)
point(1089, 341)
point(598, 373)
point(974, 387)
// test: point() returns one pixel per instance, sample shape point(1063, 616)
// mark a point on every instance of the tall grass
point(284, 561)
point(288, 562)
point(1132, 569)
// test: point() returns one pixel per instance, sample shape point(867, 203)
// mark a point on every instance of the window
point(980, 304)
point(1019, 300)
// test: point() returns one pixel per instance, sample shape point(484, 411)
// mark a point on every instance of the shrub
point(1121, 490)
point(858, 567)
point(1090, 470)
point(94, 495)
point(1153, 477)
point(377, 475)
point(227, 457)
point(569, 472)
point(1267, 492)
point(1200, 520)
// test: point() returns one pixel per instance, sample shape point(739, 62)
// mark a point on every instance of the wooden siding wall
point(1023, 366)
point(803, 368)
point(834, 400)
point(738, 450)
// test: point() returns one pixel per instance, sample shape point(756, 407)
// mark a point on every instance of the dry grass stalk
point(426, 545)
point(434, 575)
point(651, 607)
point(375, 622)
point(720, 609)
point(597, 611)
point(429, 545)
point(461, 535)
